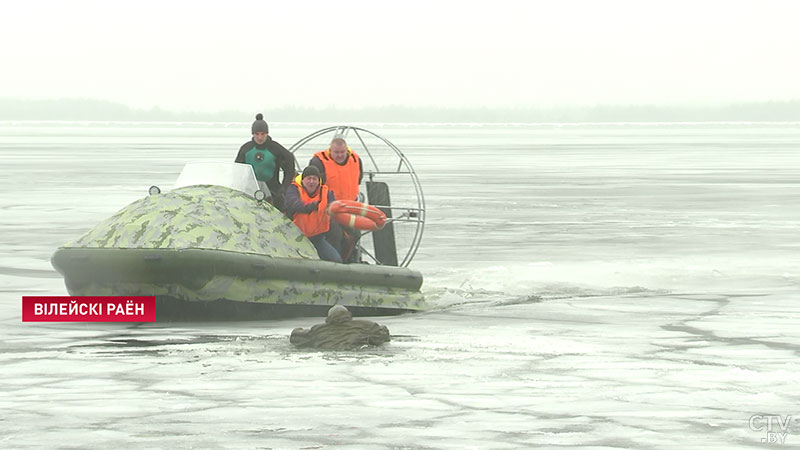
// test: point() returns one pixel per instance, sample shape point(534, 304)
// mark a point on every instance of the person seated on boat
point(306, 203)
point(342, 171)
point(268, 157)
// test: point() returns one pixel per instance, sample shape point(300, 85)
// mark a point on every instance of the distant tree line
point(100, 110)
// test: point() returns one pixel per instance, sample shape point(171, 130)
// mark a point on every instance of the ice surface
point(603, 286)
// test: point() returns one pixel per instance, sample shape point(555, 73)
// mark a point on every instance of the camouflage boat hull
point(212, 253)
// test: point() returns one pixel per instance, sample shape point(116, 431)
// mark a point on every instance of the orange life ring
point(357, 215)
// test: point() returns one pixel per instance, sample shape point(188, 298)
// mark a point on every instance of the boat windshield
point(231, 175)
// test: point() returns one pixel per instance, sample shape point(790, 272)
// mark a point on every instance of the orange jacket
point(318, 221)
point(343, 179)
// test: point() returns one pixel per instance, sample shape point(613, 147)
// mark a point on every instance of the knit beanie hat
point(259, 125)
point(311, 170)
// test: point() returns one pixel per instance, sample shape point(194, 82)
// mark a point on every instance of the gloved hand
point(311, 207)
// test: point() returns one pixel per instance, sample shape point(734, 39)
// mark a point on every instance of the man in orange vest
point(306, 203)
point(341, 169)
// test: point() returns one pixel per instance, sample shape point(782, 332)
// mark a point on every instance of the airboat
point(212, 248)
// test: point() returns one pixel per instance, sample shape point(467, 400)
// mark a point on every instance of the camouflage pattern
point(340, 332)
point(265, 291)
point(206, 217)
point(220, 219)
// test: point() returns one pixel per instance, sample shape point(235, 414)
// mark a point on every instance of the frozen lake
point(593, 286)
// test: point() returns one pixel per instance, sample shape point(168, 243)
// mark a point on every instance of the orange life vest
point(342, 179)
point(318, 221)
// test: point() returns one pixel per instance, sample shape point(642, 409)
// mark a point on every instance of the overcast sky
point(193, 55)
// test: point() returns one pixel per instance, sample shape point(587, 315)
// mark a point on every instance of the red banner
point(88, 309)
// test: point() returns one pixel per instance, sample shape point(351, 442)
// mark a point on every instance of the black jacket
point(284, 160)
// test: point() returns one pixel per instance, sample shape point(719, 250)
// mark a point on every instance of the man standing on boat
point(307, 201)
point(341, 171)
point(340, 168)
point(267, 157)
